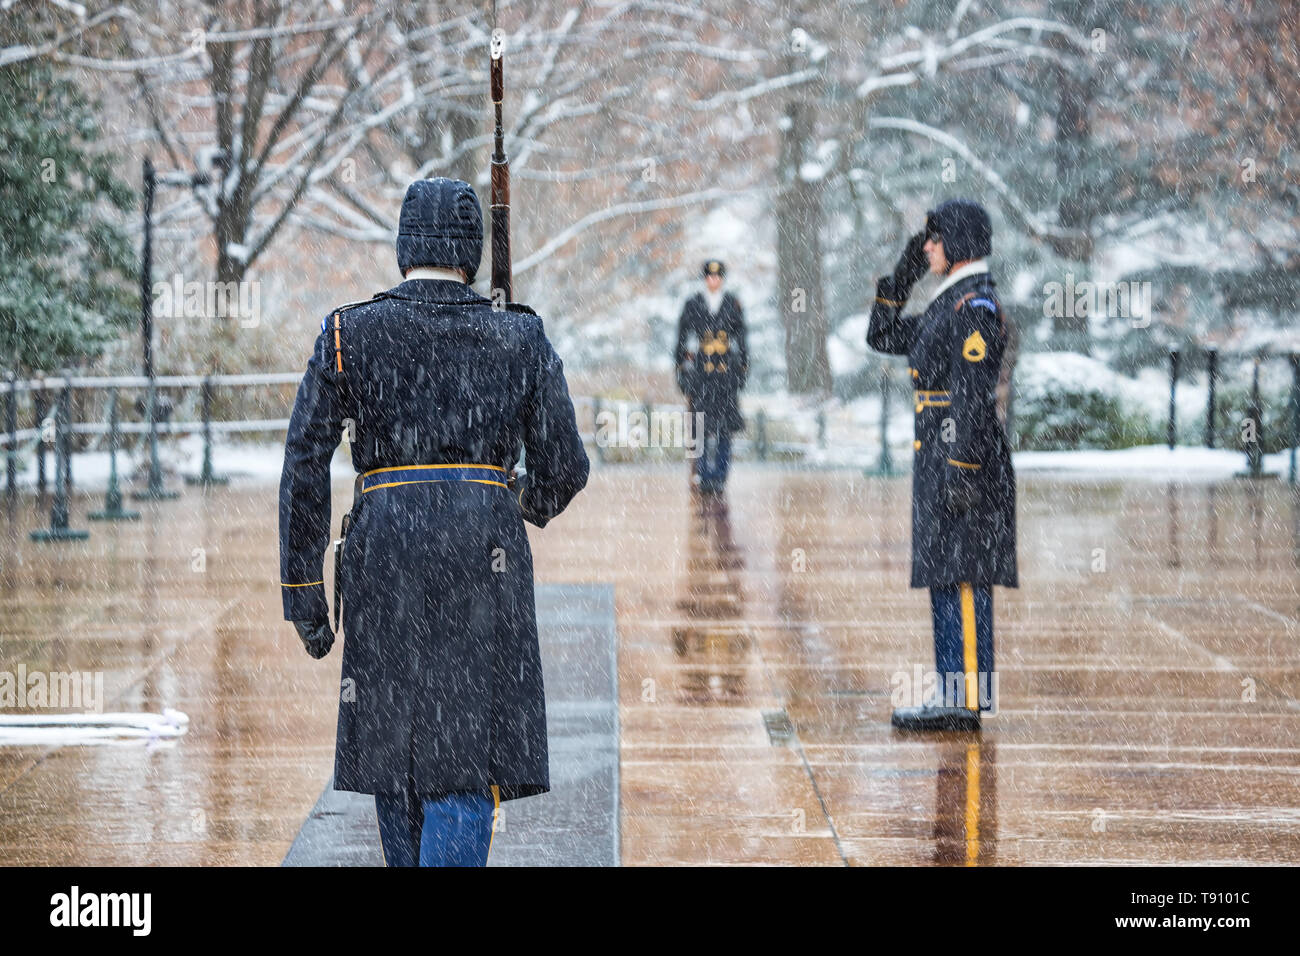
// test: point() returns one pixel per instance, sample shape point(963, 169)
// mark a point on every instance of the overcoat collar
point(448, 291)
point(974, 268)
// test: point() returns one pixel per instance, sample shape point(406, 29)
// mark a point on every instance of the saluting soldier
point(441, 713)
point(712, 362)
point(963, 484)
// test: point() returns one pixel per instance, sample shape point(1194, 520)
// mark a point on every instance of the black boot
point(932, 717)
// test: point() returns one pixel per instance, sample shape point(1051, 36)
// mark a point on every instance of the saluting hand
point(316, 636)
point(912, 264)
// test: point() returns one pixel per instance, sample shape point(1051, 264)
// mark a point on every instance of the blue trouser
point(446, 829)
point(963, 644)
point(715, 459)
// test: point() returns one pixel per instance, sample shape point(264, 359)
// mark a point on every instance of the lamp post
point(152, 180)
point(155, 489)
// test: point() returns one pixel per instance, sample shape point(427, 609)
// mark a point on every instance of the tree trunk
point(799, 258)
point(1077, 204)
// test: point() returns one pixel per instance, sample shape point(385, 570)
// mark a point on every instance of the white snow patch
point(1147, 462)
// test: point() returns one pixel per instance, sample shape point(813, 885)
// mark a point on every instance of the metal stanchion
point(58, 529)
point(1255, 450)
point(1172, 435)
point(1255, 415)
point(1294, 359)
point(760, 435)
point(206, 476)
point(41, 408)
point(1212, 374)
point(11, 426)
point(885, 468)
point(113, 510)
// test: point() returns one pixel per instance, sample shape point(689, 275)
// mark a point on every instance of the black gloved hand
point(686, 374)
point(962, 489)
point(316, 636)
point(912, 264)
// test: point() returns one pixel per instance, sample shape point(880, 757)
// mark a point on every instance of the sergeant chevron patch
point(972, 349)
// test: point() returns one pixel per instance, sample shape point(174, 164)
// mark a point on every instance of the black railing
point(1253, 438)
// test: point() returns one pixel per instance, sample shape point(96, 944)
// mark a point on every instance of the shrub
point(1065, 401)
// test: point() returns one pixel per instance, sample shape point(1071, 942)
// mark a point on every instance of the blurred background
point(1139, 162)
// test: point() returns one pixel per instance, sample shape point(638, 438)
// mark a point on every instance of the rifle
point(501, 271)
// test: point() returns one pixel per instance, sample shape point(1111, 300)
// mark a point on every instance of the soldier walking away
point(712, 362)
point(963, 485)
point(441, 712)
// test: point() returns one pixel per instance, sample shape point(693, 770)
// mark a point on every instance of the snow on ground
point(254, 463)
point(1146, 463)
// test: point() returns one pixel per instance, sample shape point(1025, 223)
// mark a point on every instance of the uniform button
point(916, 445)
point(918, 409)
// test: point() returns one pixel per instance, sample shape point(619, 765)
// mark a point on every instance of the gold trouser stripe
point(378, 471)
point(888, 302)
point(968, 644)
point(964, 464)
point(496, 812)
point(338, 346)
point(972, 804)
point(394, 484)
point(307, 585)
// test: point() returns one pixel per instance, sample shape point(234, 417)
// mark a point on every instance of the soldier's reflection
point(966, 803)
point(712, 596)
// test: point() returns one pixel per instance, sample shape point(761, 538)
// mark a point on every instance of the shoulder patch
point(976, 300)
point(972, 350)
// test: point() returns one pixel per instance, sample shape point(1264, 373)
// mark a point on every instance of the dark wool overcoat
point(441, 677)
point(955, 349)
point(712, 360)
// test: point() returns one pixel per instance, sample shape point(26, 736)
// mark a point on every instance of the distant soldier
point(442, 713)
point(963, 485)
point(712, 362)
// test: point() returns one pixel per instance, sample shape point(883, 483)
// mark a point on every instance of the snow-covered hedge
point(1064, 400)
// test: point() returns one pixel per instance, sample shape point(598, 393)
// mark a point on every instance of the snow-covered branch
point(1032, 220)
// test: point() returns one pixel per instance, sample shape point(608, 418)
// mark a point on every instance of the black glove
point(316, 636)
point(911, 265)
point(686, 374)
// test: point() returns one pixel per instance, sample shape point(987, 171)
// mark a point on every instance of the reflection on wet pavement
point(1149, 677)
point(714, 649)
